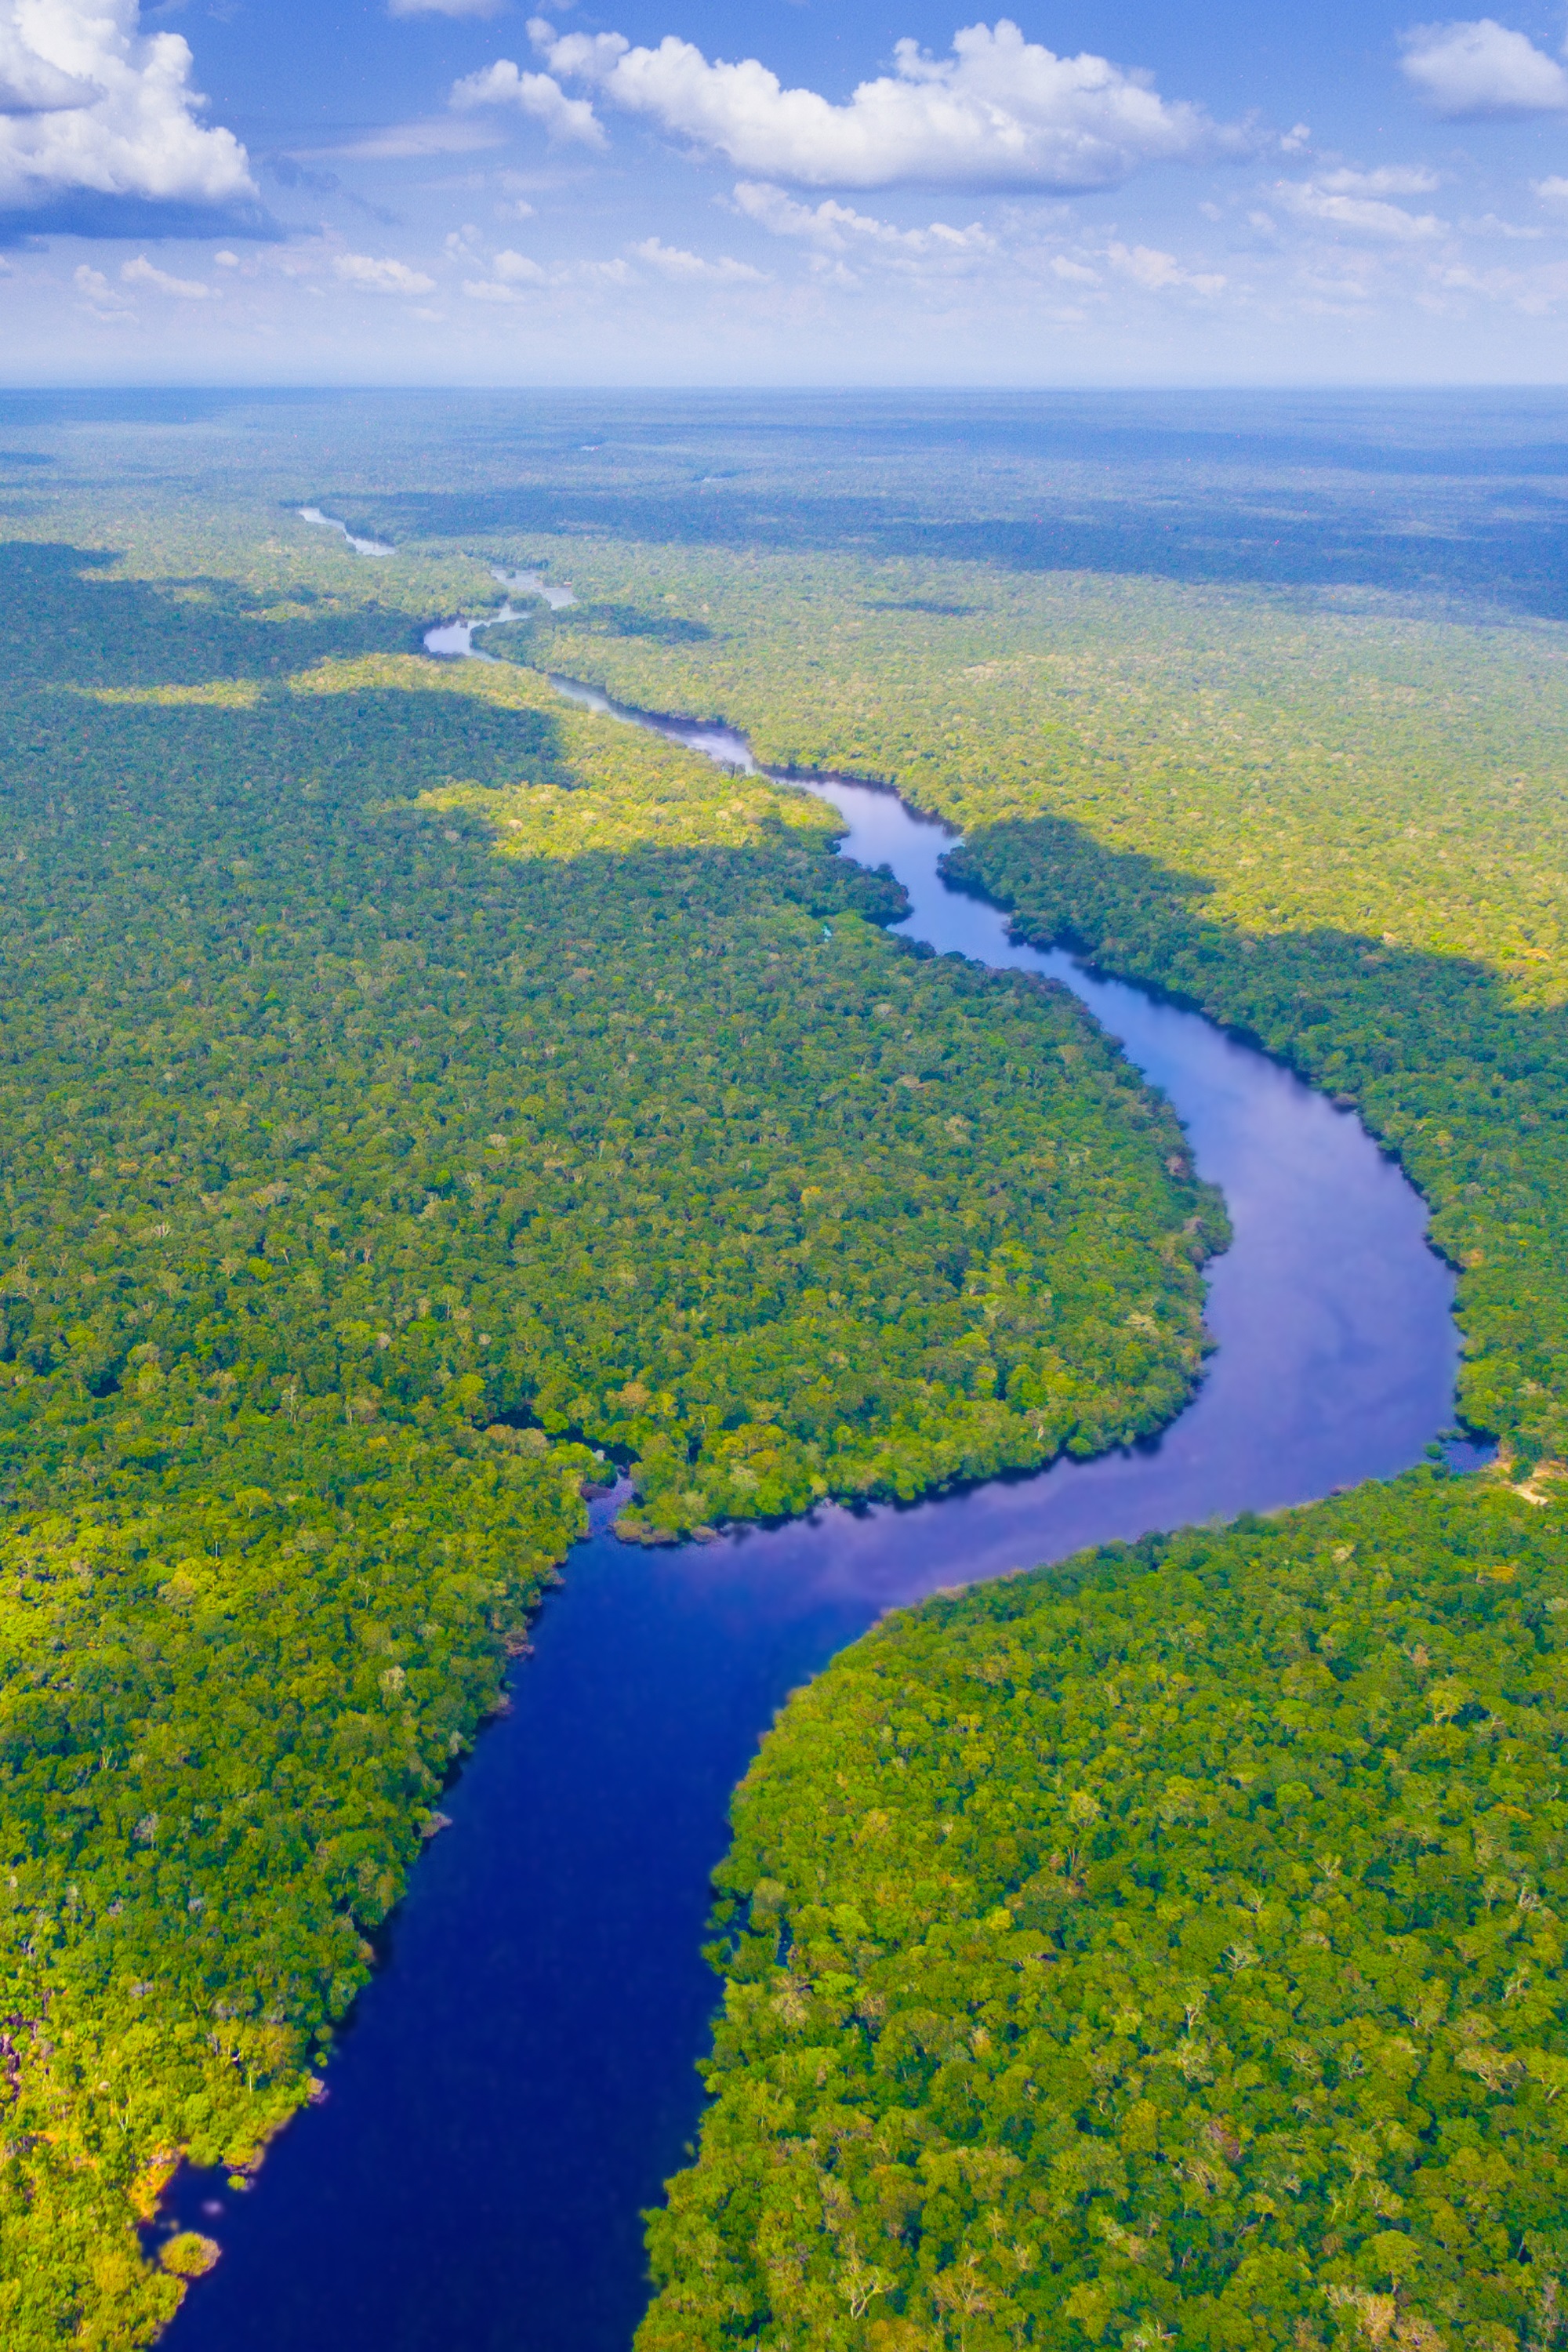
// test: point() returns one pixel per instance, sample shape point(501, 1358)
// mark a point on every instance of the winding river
point(519, 2078)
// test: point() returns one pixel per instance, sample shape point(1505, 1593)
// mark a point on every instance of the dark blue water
point(518, 2081)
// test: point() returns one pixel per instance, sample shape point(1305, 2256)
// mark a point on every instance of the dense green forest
point(1344, 835)
point(1054, 2085)
point(416, 1092)
point(1163, 1948)
point(1166, 1949)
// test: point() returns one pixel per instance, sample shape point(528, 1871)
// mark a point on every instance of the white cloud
point(401, 143)
point(836, 227)
point(444, 7)
point(1000, 111)
point(142, 272)
point(1534, 293)
point(1492, 225)
point(1551, 191)
point(88, 103)
point(29, 82)
point(1387, 180)
point(673, 262)
point(1155, 271)
point(536, 94)
point(509, 273)
point(92, 283)
point(1355, 215)
point(842, 236)
point(373, 276)
point(1478, 67)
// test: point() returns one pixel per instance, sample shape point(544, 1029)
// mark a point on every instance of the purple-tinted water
point(518, 2080)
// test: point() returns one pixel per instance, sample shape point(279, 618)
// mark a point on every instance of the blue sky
point(669, 190)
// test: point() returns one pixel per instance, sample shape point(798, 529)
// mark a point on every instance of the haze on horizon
point(672, 192)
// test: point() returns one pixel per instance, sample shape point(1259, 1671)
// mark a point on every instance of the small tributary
point(519, 2078)
point(377, 547)
point(449, 638)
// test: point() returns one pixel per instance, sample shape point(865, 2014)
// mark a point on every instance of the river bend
point(519, 2078)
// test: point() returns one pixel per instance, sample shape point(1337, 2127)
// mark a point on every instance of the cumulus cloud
point(837, 227)
point(1552, 190)
point(142, 272)
point(90, 104)
point(539, 95)
point(1477, 67)
point(374, 277)
point(30, 83)
point(999, 111)
point(92, 285)
point(509, 273)
point(1148, 267)
point(673, 262)
point(1336, 201)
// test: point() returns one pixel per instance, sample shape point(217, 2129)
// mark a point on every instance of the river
point(518, 2079)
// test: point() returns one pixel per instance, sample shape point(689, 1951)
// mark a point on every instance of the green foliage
point(226, 1710)
point(1467, 1085)
point(1166, 1948)
point(772, 1206)
point(188, 2254)
point(1341, 832)
point(97, 630)
point(1338, 833)
point(1321, 767)
point(409, 1083)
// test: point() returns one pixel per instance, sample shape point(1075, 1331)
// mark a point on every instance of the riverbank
point(535, 2031)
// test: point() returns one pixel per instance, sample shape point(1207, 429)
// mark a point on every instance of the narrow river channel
point(519, 2078)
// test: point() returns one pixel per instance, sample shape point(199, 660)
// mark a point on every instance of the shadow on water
point(518, 2080)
